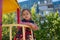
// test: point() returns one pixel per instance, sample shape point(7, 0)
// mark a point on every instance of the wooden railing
point(23, 28)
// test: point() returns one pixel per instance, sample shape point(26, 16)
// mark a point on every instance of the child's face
point(26, 15)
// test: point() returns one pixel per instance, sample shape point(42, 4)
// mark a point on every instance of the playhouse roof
point(9, 6)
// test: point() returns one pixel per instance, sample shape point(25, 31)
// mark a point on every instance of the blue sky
point(55, 0)
point(21, 0)
point(26, 0)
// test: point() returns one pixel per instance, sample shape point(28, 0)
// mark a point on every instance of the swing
point(12, 6)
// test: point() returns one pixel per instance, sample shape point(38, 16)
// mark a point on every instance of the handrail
point(21, 25)
point(15, 25)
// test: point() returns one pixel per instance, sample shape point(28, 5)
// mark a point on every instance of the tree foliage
point(49, 28)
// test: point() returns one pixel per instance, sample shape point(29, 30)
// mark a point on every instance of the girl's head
point(26, 14)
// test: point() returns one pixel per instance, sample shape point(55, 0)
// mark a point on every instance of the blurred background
point(41, 6)
point(45, 13)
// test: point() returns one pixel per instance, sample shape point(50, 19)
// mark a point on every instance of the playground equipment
point(12, 6)
point(23, 28)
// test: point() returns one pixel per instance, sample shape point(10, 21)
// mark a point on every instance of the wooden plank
point(23, 28)
point(32, 34)
point(10, 32)
point(21, 25)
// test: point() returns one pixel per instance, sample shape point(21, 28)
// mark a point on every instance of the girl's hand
point(34, 26)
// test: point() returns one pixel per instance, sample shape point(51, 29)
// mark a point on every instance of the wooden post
point(23, 28)
point(10, 32)
point(18, 15)
point(32, 34)
point(0, 19)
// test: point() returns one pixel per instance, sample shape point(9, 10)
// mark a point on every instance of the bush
point(49, 26)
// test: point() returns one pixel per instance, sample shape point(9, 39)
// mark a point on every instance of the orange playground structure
point(13, 6)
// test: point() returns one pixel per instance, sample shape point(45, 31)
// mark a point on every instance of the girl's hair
point(25, 10)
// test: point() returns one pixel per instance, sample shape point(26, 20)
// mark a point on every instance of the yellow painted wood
point(10, 32)
point(21, 25)
point(9, 6)
point(23, 28)
point(32, 34)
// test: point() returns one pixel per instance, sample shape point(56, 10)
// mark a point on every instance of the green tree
point(9, 18)
point(48, 30)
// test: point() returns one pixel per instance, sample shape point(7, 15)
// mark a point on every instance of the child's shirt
point(27, 31)
point(30, 21)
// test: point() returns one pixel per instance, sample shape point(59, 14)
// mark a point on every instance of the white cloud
point(21, 0)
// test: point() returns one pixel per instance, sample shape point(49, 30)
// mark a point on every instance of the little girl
point(26, 19)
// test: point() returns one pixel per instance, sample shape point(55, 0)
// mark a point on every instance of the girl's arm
point(33, 26)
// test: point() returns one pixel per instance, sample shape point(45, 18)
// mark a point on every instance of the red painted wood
point(18, 19)
point(0, 19)
point(18, 15)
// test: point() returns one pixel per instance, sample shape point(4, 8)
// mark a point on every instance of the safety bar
point(21, 25)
